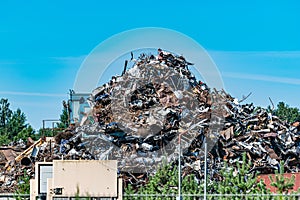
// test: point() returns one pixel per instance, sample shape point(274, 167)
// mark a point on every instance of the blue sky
point(255, 45)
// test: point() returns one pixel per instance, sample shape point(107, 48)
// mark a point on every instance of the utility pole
point(205, 169)
point(179, 165)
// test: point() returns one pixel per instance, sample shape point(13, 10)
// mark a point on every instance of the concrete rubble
point(162, 100)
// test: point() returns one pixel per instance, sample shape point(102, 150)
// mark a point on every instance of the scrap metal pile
point(137, 117)
point(16, 163)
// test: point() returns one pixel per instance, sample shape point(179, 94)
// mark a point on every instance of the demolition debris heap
point(136, 118)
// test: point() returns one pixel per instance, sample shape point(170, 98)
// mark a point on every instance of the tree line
point(14, 125)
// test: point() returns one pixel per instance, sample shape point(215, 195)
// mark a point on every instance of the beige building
point(63, 179)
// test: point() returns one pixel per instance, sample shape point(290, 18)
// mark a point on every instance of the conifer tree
point(281, 183)
point(240, 182)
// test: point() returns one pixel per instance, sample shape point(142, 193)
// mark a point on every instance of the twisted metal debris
point(136, 118)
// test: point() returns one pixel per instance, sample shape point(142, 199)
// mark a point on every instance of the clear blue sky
point(255, 44)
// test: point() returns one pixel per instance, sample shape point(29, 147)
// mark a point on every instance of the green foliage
point(77, 195)
point(240, 181)
point(25, 133)
point(64, 118)
point(47, 132)
point(5, 112)
point(13, 125)
point(3, 137)
point(16, 123)
point(281, 183)
point(129, 190)
point(284, 112)
point(296, 192)
point(165, 182)
point(23, 184)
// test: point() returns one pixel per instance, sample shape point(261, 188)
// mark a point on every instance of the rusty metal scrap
point(156, 111)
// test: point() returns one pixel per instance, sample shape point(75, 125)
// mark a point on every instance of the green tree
point(5, 112)
point(47, 132)
point(284, 112)
point(17, 127)
point(23, 185)
point(13, 125)
point(16, 123)
point(25, 133)
point(240, 181)
point(3, 137)
point(165, 182)
point(65, 115)
point(64, 118)
point(281, 183)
